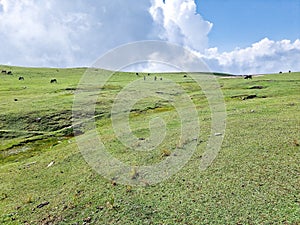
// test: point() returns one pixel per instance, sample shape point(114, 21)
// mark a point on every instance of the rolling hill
point(46, 180)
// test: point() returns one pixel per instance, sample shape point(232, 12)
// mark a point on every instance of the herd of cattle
point(9, 72)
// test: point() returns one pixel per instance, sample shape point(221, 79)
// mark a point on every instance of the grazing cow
point(21, 78)
point(53, 81)
point(280, 72)
point(185, 75)
point(3, 71)
point(148, 74)
point(290, 71)
point(248, 77)
point(9, 73)
point(137, 74)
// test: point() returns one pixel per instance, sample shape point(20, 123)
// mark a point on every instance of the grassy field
point(44, 179)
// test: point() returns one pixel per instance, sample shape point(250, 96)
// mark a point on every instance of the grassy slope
point(254, 180)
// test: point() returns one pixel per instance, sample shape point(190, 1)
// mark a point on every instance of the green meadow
point(44, 179)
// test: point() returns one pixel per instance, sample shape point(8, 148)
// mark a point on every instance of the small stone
point(50, 164)
point(87, 220)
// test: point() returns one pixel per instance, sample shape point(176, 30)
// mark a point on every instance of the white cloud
point(63, 33)
point(177, 22)
point(37, 33)
point(68, 33)
point(265, 56)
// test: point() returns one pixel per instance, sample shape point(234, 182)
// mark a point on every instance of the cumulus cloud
point(178, 22)
point(63, 33)
point(68, 33)
point(38, 33)
point(265, 56)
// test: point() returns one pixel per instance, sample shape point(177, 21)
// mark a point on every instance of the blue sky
point(239, 23)
point(235, 36)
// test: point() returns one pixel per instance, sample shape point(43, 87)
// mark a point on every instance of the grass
point(253, 180)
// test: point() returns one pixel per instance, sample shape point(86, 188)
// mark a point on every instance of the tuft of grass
point(165, 152)
point(134, 173)
point(29, 199)
point(111, 203)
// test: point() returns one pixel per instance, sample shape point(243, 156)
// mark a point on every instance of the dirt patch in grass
point(257, 87)
point(37, 121)
point(246, 97)
point(50, 122)
point(23, 130)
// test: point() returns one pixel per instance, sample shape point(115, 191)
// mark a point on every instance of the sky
point(232, 36)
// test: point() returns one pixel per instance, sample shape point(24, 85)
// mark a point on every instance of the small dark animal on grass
point(9, 73)
point(290, 71)
point(53, 81)
point(137, 74)
point(21, 78)
point(155, 78)
point(3, 71)
point(280, 72)
point(248, 77)
point(148, 74)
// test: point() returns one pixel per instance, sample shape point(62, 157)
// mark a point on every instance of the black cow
point(9, 73)
point(53, 81)
point(137, 74)
point(248, 77)
point(280, 72)
point(3, 71)
point(21, 78)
